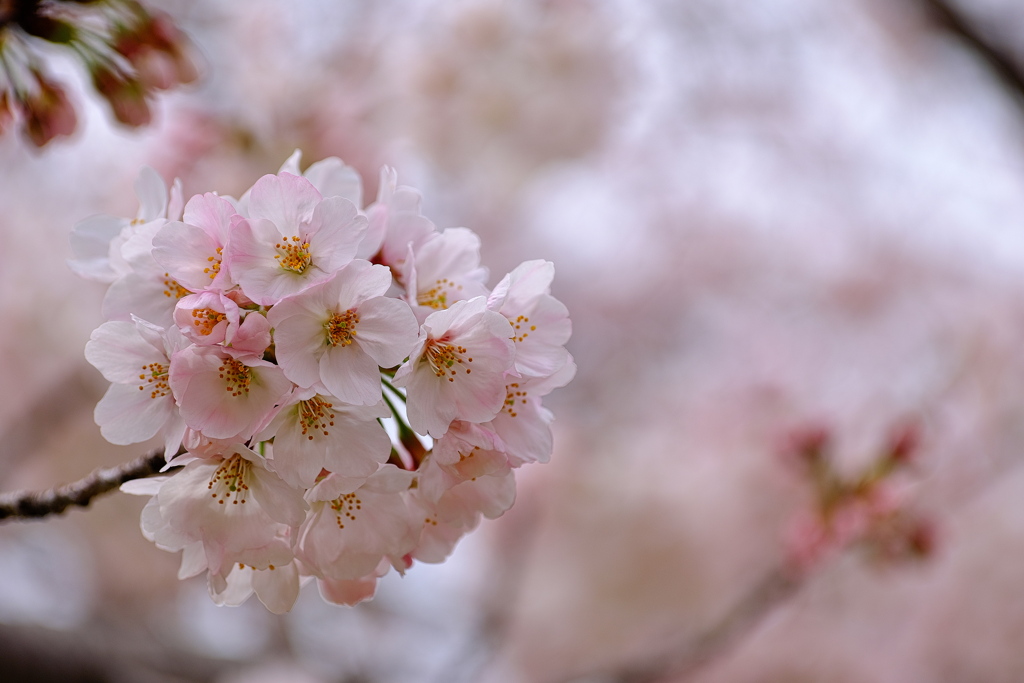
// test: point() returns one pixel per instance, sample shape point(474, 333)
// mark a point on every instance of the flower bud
point(126, 96)
point(47, 112)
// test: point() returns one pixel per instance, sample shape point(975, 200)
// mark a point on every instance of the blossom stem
point(406, 435)
point(37, 504)
point(394, 390)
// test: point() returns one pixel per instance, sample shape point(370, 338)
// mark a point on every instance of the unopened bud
point(808, 444)
point(126, 96)
point(47, 112)
point(904, 443)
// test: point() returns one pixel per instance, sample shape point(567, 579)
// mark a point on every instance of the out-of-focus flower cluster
point(870, 510)
point(343, 392)
point(128, 52)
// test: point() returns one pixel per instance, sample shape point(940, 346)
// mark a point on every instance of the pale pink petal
point(285, 200)
point(351, 375)
point(253, 335)
point(334, 233)
point(118, 351)
point(152, 193)
point(127, 415)
point(347, 592)
point(332, 178)
point(277, 588)
point(387, 330)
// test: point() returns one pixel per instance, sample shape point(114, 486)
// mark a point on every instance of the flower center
point(172, 289)
point(206, 319)
point(214, 269)
point(154, 375)
point(341, 328)
point(519, 324)
point(236, 375)
point(437, 296)
point(315, 416)
point(443, 358)
point(228, 481)
point(294, 255)
point(513, 396)
point(346, 507)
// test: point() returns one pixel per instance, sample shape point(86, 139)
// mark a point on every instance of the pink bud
point(47, 113)
point(127, 96)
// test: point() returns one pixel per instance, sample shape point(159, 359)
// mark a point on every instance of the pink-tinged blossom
point(338, 334)
point(207, 318)
point(348, 533)
point(253, 336)
point(540, 322)
point(293, 239)
point(135, 358)
point(314, 432)
point(457, 370)
point(96, 241)
point(444, 269)
point(451, 506)
point(277, 586)
point(224, 396)
point(395, 222)
point(140, 286)
point(349, 592)
point(237, 509)
point(524, 425)
point(469, 450)
point(192, 251)
point(331, 177)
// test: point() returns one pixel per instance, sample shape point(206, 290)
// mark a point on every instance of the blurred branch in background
point(951, 19)
point(104, 653)
point(28, 431)
point(775, 588)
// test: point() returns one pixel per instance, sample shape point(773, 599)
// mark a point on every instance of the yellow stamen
point(341, 328)
point(294, 255)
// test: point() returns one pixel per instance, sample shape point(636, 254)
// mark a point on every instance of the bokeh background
point(765, 217)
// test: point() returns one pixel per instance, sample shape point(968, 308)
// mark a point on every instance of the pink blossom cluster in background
point(341, 390)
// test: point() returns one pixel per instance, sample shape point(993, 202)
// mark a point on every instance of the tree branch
point(772, 590)
point(1002, 64)
point(36, 504)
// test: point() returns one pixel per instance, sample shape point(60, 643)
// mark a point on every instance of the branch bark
point(38, 504)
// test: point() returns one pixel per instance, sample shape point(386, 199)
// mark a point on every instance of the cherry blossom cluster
point(337, 390)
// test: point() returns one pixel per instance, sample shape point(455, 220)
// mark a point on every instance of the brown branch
point(36, 504)
point(772, 590)
point(950, 18)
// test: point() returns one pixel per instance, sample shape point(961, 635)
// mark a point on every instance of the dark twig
point(36, 504)
point(1006, 68)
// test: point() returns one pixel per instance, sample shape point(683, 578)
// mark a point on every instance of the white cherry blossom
point(349, 532)
point(314, 432)
point(457, 370)
point(338, 334)
point(225, 395)
point(191, 251)
point(135, 358)
point(540, 322)
point(444, 269)
point(293, 238)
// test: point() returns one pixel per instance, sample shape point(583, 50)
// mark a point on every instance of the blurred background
point(768, 220)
